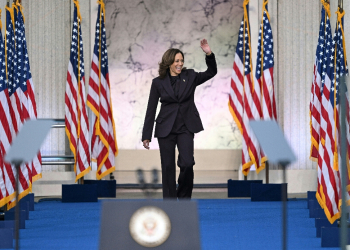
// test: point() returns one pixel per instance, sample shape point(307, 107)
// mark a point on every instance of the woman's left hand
point(205, 47)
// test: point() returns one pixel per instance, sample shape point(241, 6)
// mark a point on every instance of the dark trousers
point(184, 143)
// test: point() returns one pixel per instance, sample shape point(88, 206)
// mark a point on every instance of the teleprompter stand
point(278, 151)
point(23, 149)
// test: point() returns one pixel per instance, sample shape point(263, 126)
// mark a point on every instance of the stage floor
point(224, 224)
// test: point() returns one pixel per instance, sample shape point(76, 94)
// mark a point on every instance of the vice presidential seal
point(150, 226)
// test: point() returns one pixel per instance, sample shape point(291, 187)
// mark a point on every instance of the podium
point(151, 224)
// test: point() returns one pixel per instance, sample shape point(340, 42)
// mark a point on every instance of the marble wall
point(139, 33)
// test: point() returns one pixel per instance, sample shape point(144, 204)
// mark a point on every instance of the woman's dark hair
point(167, 60)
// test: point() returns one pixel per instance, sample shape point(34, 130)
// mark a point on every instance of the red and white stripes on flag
point(103, 142)
point(335, 65)
point(6, 136)
point(27, 84)
point(16, 104)
point(3, 191)
point(316, 153)
point(328, 178)
point(244, 99)
point(315, 111)
point(317, 85)
point(22, 64)
point(7, 172)
point(77, 124)
point(264, 67)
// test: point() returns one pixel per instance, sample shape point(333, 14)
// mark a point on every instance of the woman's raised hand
point(205, 47)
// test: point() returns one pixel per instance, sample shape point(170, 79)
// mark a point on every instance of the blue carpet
point(224, 224)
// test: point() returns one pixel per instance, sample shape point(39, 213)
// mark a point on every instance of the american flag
point(334, 63)
point(77, 124)
point(333, 125)
point(7, 172)
point(244, 99)
point(15, 93)
point(21, 84)
point(316, 95)
point(317, 85)
point(26, 83)
point(103, 142)
point(264, 67)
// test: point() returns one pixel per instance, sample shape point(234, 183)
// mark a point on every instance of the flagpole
point(343, 153)
point(267, 166)
point(17, 212)
point(244, 100)
point(343, 149)
point(81, 179)
point(340, 4)
point(267, 169)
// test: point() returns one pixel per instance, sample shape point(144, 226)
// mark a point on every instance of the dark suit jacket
point(161, 88)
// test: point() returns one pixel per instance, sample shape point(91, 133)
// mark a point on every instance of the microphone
point(155, 176)
point(140, 178)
